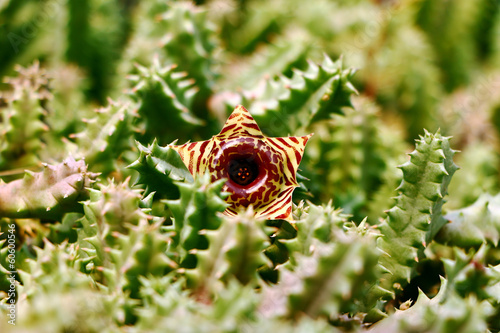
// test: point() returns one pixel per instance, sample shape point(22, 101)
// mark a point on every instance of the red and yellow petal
point(261, 171)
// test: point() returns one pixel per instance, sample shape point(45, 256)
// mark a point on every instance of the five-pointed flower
point(260, 171)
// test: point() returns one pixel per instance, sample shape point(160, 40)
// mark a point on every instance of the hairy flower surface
point(260, 170)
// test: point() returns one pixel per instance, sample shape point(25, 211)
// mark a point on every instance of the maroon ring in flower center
point(251, 170)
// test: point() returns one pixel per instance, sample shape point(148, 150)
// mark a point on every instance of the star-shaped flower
point(260, 170)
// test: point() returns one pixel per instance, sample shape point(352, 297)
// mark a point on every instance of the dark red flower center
point(253, 170)
point(243, 171)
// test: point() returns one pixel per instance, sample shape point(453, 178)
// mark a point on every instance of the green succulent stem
point(416, 217)
point(47, 194)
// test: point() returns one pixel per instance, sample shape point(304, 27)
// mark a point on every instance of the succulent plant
point(22, 117)
point(473, 225)
point(106, 136)
point(439, 314)
point(163, 95)
point(194, 211)
point(416, 218)
point(48, 194)
point(159, 167)
point(285, 105)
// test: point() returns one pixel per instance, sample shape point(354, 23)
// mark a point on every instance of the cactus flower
point(260, 171)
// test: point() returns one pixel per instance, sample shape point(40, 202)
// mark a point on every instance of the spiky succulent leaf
point(189, 42)
point(468, 274)
point(47, 194)
point(106, 136)
point(281, 57)
point(22, 119)
point(416, 217)
point(437, 220)
point(315, 225)
point(478, 174)
point(493, 291)
point(446, 312)
point(65, 230)
point(279, 231)
point(165, 99)
point(54, 296)
point(232, 310)
point(235, 250)
point(284, 105)
point(120, 240)
point(194, 211)
point(352, 156)
point(332, 267)
point(162, 296)
point(159, 167)
point(473, 225)
point(331, 279)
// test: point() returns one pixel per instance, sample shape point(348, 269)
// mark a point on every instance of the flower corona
point(260, 171)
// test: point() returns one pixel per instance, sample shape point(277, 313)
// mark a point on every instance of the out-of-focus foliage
point(110, 232)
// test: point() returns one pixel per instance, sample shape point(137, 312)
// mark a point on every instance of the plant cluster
point(114, 234)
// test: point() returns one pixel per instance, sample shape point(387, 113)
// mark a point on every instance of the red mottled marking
point(283, 196)
point(203, 146)
point(292, 171)
point(251, 125)
point(191, 162)
point(285, 215)
point(274, 173)
point(277, 208)
point(229, 209)
point(181, 153)
point(275, 193)
point(233, 115)
point(245, 132)
point(276, 158)
point(234, 197)
point(283, 141)
point(210, 162)
point(298, 156)
point(268, 193)
point(259, 195)
point(285, 192)
point(293, 139)
point(198, 166)
point(227, 128)
point(251, 141)
point(244, 202)
point(274, 143)
point(191, 146)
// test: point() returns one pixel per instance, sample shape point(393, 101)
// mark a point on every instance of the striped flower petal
point(261, 171)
